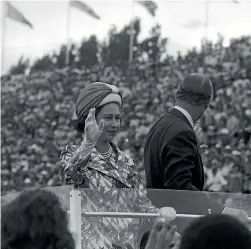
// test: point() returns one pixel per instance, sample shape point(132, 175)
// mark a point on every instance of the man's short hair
point(195, 89)
point(216, 232)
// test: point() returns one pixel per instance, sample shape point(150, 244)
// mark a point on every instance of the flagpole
point(68, 38)
point(3, 34)
point(206, 18)
point(131, 36)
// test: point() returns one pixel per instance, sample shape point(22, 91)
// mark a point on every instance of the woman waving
point(109, 176)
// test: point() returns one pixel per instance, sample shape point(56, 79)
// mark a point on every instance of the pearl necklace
point(108, 153)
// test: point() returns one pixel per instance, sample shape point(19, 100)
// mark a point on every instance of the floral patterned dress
point(111, 185)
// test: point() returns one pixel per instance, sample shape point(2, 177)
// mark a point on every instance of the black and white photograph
point(126, 124)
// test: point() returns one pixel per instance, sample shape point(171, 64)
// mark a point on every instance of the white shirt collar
point(187, 115)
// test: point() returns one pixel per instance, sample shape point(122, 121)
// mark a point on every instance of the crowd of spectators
point(37, 109)
point(42, 223)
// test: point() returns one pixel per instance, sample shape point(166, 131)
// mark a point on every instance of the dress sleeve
point(73, 163)
point(142, 202)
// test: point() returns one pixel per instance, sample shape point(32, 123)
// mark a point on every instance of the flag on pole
point(16, 15)
point(150, 6)
point(80, 6)
point(84, 7)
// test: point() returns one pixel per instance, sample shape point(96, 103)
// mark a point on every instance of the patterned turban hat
point(93, 96)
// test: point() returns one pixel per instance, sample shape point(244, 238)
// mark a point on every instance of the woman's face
point(110, 113)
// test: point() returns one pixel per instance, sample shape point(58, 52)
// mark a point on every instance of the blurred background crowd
point(38, 100)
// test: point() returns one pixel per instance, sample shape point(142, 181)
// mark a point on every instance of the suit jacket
point(172, 159)
point(172, 154)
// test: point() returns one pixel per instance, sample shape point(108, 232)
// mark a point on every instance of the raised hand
point(163, 236)
point(238, 213)
point(92, 129)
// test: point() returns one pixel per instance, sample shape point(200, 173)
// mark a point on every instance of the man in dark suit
point(172, 155)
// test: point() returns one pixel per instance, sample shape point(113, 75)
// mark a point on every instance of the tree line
point(114, 51)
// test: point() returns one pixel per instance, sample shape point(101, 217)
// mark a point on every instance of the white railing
point(75, 214)
point(133, 215)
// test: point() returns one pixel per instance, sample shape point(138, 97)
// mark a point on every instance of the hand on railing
point(167, 213)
